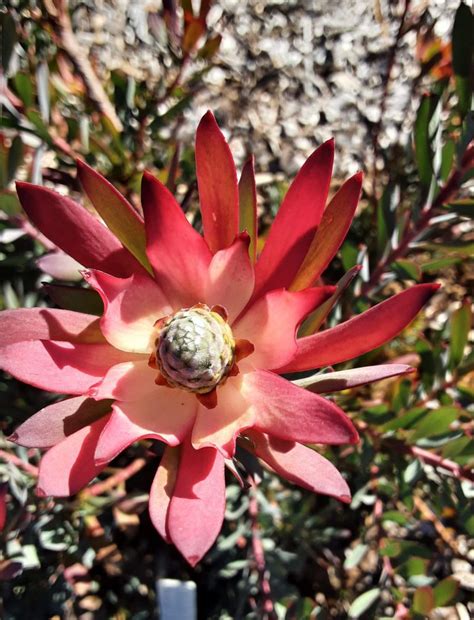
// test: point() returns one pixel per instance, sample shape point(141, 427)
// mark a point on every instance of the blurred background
point(123, 86)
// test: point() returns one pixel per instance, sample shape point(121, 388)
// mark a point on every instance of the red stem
point(259, 554)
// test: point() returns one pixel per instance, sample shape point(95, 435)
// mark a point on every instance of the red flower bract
point(193, 336)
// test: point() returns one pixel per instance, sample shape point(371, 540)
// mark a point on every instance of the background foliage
point(404, 547)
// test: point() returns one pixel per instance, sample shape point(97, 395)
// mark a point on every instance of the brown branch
point(259, 555)
point(115, 479)
point(444, 532)
point(61, 22)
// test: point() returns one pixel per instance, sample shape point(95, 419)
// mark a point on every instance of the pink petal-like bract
point(67, 467)
point(289, 412)
point(178, 254)
point(75, 230)
point(196, 510)
point(362, 333)
point(161, 490)
point(48, 324)
point(131, 307)
point(59, 366)
point(193, 334)
point(231, 278)
point(54, 423)
point(300, 465)
point(296, 221)
point(217, 184)
point(278, 312)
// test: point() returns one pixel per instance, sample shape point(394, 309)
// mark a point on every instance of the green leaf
point(465, 207)
point(9, 203)
point(41, 128)
point(413, 472)
point(423, 600)
point(386, 217)
point(423, 151)
point(8, 37)
point(248, 205)
point(407, 420)
point(363, 602)
point(24, 88)
point(355, 556)
point(119, 215)
point(463, 49)
point(317, 318)
point(435, 423)
point(15, 157)
point(437, 265)
point(461, 322)
point(395, 516)
point(445, 591)
point(349, 255)
point(447, 158)
point(407, 269)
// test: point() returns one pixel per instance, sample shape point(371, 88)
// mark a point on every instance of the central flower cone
point(195, 349)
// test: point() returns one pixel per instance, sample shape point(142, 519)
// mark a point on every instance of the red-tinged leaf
point(217, 183)
point(211, 47)
point(362, 333)
point(291, 413)
point(296, 222)
point(162, 488)
point(195, 28)
point(119, 215)
point(423, 600)
point(73, 229)
point(48, 324)
point(330, 234)
point(54, 423)
point(75, 298)
point(347, 379)
point(317, 318)
point(60, 266)
point(248, 205)
point(177, 252)
point(67, 467)
point(197, 507)
point(300, 465)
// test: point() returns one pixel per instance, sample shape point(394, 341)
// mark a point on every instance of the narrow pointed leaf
point(248, 205)
point(217, 183)
point(317, 318)
point(73, 229)
point(330, 234)
point(119, 215)
point(461, 324)
point(362, 333)
point(296, 222)
point(347, 379)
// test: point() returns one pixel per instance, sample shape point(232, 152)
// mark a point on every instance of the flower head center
point(195, 349)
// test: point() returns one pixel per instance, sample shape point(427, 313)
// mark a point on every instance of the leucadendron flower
point(195, 333)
